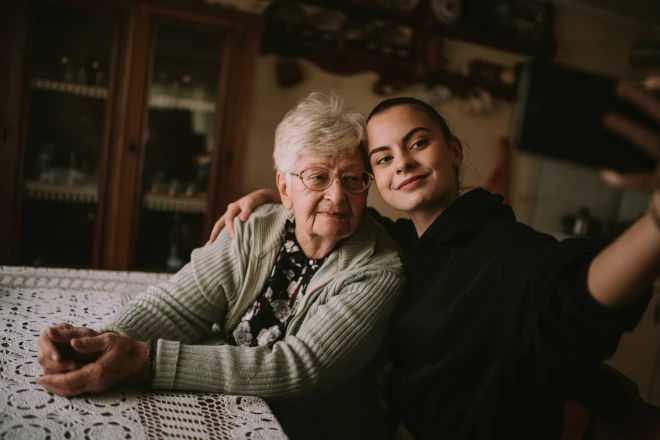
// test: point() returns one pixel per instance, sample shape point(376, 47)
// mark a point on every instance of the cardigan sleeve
point(337, 338)
point(185, 307)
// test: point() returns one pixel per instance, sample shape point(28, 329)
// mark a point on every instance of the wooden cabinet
point(123, 129)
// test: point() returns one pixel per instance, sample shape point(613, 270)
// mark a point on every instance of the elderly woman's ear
point(283, 187)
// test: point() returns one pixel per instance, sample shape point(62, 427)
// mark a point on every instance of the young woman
point(497, 318)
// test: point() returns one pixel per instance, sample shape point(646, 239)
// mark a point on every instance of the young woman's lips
point(411, 183)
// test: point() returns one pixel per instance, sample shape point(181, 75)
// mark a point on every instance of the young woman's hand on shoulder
point(243, 208)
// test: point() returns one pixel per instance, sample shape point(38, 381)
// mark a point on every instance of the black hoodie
point(496, 321)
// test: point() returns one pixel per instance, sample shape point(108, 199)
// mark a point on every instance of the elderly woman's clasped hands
point(78, 360)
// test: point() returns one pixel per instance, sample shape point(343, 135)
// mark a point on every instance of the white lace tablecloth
point(32, 300)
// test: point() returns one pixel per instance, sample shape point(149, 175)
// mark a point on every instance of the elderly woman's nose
point(336, 192)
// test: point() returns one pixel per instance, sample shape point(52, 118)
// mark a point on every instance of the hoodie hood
point(468, 213)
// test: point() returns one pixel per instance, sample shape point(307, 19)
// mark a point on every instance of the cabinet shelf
point(97, 92)
point(89, 194)
point(371, 10)
point(167, 203)
point(340, 60)
point(83, 90)
point(61, 193)
point(174, 102)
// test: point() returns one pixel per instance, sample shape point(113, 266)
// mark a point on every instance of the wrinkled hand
point(55, 353)
point(644, 138)
point(243, 207)
point(117, 358)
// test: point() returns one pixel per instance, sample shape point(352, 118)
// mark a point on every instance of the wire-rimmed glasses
point(319, 179)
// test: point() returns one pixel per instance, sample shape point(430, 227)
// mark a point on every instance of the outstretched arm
point(624, 269)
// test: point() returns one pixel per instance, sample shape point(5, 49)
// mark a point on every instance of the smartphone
point(559, 111)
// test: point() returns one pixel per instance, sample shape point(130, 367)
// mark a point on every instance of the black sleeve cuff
point(572, 323)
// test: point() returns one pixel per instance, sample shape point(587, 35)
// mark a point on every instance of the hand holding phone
point(645, 138)
point(560, 112)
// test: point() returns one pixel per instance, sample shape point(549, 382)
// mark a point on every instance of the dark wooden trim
point(14, 41)
point(123, 197)
point(201, 13)
point(227, 59)
point(118, 135)
point(237, 121)
point(106, 145)
point(176, 8)
point(7, 192)
point(144, 125)
point(24, 110)
point(90, 6)
point(6, 10)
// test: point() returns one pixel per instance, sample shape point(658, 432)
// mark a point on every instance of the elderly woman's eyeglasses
point(318, 179)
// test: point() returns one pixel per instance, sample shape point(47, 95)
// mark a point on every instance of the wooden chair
point(604, 404)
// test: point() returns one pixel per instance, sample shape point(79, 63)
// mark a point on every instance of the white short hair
point(319, 125)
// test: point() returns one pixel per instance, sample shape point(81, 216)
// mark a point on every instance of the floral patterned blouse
point(265, 322)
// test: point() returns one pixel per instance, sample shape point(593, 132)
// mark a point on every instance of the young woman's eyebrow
point(412, 132)
point(404, 140)
point(378, 150)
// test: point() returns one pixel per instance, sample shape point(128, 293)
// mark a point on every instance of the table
point(32, 299)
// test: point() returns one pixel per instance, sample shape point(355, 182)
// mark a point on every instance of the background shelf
point(61, 193)
point(173, 102)
point(166, 203)
point(96, 92)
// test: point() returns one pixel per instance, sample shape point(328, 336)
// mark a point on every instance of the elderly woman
point(303, 295)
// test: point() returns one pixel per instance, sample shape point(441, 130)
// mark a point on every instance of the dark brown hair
point(425, 108)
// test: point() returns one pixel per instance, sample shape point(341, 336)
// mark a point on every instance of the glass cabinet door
point(67, 109)
point(181, 133)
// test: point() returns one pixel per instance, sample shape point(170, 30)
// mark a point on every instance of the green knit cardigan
point(318, 378)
